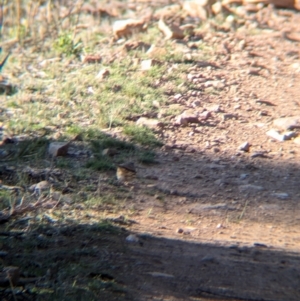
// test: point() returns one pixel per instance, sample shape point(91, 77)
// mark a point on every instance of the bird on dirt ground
point(126, 172)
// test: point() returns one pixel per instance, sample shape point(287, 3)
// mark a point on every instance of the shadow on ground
point(95, 262)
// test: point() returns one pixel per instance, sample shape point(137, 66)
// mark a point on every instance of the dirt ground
point(215, 235)
point(217, 222)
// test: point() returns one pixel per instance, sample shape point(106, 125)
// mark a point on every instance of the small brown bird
point(126, 172)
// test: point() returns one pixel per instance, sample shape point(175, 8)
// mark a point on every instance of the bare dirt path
point(229, 225)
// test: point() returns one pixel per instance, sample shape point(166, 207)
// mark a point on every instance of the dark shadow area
point(62, 261)
point(95, 262)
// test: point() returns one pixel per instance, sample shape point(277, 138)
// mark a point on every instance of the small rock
point(259, 245)
point(109, 152)
point(259, 154)
point(281, 137)
point(217, 8)
point(287, 123)
point(103, 74)
point(244, 147)
point(39, 187)
point(275, 135)
point(136, 45)
point(208, 258)
point(229, 116)
point(177, 96)
point(180, 231)
point(58, 148)
point(170, 32)
point(124, 28)
point(204, 115)
point(148, 64)
point(148, 122)
point(156, 104)
point(91, 59)
point(214, 83)
point(158, 274)
point(132, 238)
point(243, 176)
point(213, 108)
point(250, 187)
point(289, 135)
point(186, 118)
point(195, 9)
point(281, 195)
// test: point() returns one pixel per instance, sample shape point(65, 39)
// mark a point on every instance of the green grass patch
point(142, 135)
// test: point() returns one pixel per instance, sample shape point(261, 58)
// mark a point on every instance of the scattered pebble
point(58, 148)
point(287, 123)
point(158, 274)
point(244, 147)
point(250, 187)
point(132, 238)
point(281, 195)
point(281, 137)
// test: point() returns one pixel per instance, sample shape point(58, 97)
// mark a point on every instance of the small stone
point(275, 135)
point(204, 115)
point(171, 32)
point(91, 59)
point(243, 176)
point(289, 135)
point(124, 28)
point(148, 64)
point(208, 258)
point(287, 123)
point(195, 9)
point(177, 96)
point(180, 231)
point(214, 83)
point(109, 152)
point(156, 103)
point(213, 108)
point(39, 187)
point(158, 274)
point(217, 8)
point(186, 118)
point(259, 154)
point(259, 245)
point(132, 238)
point(148, 122)
point(103, 74)
point(281, 195)
point(244, 147)
point(250, 187)
point(58, 148)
